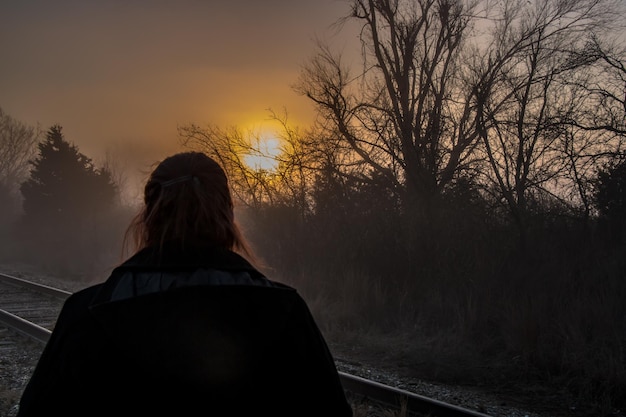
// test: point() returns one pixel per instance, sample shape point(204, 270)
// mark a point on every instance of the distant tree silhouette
point(67, 204)
point(512, 94)
point(64, 185)
point(610, 197)
point(18, 144)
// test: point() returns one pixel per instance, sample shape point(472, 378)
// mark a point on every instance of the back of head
point(187, 198)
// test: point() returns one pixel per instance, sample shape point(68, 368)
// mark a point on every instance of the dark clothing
point(194, 332)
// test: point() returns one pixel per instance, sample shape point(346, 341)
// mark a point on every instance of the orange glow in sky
point(120, 77)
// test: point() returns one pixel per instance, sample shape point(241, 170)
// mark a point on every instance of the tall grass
point(459, 299)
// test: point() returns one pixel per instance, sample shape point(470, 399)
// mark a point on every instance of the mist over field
point(458, 203)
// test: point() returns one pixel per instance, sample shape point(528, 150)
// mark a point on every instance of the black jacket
point(193, 332)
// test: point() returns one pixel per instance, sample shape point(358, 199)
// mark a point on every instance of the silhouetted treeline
point(70, 219)
point(457, 294)
point(456, 195)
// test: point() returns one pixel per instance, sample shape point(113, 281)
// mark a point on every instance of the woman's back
point(234, 346)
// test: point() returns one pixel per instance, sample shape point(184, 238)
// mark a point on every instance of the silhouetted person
point(186, 326)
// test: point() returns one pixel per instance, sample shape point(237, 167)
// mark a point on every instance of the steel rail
point(46, 289)
point(395, 397)
point(25, 327)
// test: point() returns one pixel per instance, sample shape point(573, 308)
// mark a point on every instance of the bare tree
point(408, 115)
point(229, 147)
point(286, 184)
point(527, 100)
point(604, 88)
point(297, 164)
point(18, 145)
point(597, 133)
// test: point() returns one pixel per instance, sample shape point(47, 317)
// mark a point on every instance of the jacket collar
point(175, 257)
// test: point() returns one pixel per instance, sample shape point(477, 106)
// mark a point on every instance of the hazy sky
point(119, 76)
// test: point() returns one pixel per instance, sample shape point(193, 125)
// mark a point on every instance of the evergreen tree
point(611, 191)
point(610, 198)
point(64, 186)
point(69, 207)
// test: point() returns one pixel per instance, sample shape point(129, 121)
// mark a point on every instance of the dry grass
point(478, 310)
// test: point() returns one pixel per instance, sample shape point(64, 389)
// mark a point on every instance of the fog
point(464, 217)
point(120, 77)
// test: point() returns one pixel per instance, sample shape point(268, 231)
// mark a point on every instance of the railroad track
point(31, 309)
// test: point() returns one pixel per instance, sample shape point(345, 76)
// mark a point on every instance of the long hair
point(187, 198)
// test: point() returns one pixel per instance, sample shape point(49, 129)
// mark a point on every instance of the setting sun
point(264, 153)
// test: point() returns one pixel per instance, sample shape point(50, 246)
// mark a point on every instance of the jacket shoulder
point(79, 302)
